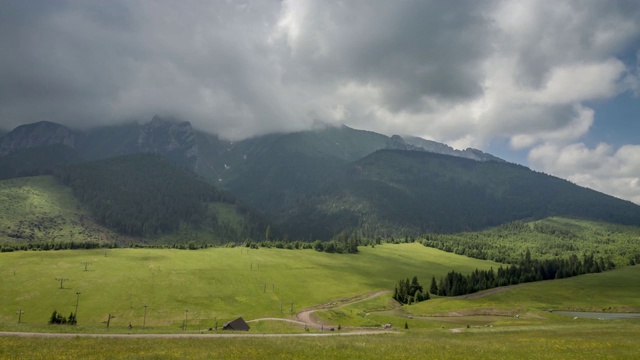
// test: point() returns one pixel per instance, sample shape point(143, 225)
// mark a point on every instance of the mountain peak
point(37, 134)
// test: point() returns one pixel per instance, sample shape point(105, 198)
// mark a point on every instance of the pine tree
point(434, 287)
point(54, 317)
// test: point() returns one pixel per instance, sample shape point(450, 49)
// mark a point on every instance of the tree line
point(528, 270)
point(549, 238)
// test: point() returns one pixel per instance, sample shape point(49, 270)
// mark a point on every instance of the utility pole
point(216, 323)
point(185, 319)
point(109, 320)
point(75, 315)
point(86, 263)
point(61, 279)
point(144, 321)
point(19, 312)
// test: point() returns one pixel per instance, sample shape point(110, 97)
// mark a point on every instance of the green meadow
point(202, 285)
point(223, 283)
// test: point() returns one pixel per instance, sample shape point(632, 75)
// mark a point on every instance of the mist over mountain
point(35, 135)
point(312, 184)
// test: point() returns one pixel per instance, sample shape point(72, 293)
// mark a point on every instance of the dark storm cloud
point(58, 62)
point(410, 48)
point(86, 63)
point(221, 64)
point(463, 72)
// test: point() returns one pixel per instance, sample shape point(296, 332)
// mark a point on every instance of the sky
point(553, 85)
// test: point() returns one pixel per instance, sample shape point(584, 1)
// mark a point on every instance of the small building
point(238, 325)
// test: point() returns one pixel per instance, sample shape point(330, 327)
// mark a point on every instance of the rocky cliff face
point(35, 135)
point(174, 139)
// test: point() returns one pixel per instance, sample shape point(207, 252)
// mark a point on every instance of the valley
point(187, 291)
point(158, 234)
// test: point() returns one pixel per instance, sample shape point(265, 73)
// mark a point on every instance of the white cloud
point(615, 172)
point(463, 72)
point(581, 82)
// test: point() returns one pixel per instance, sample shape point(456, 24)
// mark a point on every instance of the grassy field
point(586, 340)
point(230, 282)
point(220, 283)
point(615, 291)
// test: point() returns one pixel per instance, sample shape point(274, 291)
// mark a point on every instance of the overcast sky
point(554, 85)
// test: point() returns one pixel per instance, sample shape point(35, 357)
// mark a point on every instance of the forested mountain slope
point(272, 172)
point(309, 184)
point(36, 161)
point(395, 192)
point(148, 195)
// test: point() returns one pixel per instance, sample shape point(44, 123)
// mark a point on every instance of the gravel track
point(304, 318)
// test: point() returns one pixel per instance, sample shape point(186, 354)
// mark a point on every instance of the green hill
point(149, 196)
point(545, 239)
point(393, 192)
point(39, 209)
point(218, 282)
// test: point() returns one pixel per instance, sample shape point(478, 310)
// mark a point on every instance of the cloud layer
point(466, 72)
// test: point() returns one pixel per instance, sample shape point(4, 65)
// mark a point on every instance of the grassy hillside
point(223, 282)
point(616, 291)
point(488, 331)
point(612, 291)
point(545, 239)
point(393, 193)
point(37, 209)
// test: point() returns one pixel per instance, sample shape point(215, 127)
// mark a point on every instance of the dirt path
point(304, 318)
point(277, 319)
point(306, 315)
point(177, 336)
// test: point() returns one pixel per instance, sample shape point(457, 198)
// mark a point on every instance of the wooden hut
point(238, 325)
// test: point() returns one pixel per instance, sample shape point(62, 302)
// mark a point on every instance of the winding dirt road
point(170, 336)
point(304, 318)
point(306, 315)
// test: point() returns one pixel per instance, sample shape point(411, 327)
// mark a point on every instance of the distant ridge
point(37, 134)
point(309, 185)
point(393, 192)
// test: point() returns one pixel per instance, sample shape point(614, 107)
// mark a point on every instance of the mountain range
point(313, 184)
